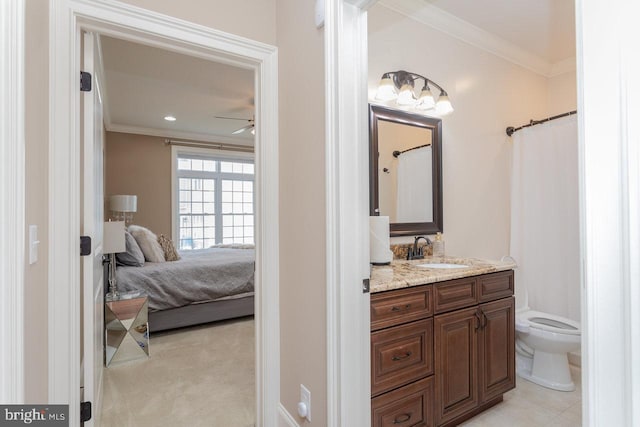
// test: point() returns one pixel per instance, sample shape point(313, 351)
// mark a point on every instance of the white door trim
point(12, 210)
point(347, 198)
point(136, 24)
point(609, 136)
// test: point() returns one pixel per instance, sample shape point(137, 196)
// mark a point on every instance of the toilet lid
point(551, 323)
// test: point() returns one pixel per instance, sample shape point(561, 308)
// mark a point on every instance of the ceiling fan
point(251, 126)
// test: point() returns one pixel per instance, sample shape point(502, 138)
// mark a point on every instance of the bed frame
point(196, 314)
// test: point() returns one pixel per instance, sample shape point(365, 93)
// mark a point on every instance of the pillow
point(148, 243)
point(133, 256)
point(170, 252)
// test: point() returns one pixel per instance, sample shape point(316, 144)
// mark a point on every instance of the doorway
point(178, 36)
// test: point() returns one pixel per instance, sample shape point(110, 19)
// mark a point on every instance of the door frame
point(12, 200)
point(68, 17)
point(347, 201)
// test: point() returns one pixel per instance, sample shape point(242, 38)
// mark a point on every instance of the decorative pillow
point(170, 252)
point(133, 256)
point(148, 242)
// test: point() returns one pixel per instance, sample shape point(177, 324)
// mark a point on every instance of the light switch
point(33, 244)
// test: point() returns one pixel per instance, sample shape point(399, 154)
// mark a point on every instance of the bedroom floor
point(199, 376)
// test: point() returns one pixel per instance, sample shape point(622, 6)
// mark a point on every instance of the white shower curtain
point(415, 201)
point(544, 217)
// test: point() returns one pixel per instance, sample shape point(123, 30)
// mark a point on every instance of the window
point(214, 200)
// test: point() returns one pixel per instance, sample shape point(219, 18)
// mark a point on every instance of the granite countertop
point(403, 274)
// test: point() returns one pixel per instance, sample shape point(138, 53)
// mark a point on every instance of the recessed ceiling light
point(170, 118)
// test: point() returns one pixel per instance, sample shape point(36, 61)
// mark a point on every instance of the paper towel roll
point(379, 250)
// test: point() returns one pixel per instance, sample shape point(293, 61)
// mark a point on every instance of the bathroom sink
point(442, 265)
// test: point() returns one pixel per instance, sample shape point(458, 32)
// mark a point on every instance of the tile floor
point(531, 405)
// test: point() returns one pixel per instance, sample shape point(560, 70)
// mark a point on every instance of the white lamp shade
point(123, 203)
point(113, 238)
point(443, 106)
point(405, 97)
point(425, 101)
point(386, 90)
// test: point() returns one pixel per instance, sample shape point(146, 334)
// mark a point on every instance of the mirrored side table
point(126, 327)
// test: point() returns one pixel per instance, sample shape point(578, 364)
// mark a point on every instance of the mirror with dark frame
point(405, 170)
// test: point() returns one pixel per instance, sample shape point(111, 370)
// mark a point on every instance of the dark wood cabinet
point(496, 349)
point(456, 360)
point(442, 353)
point(409, 406)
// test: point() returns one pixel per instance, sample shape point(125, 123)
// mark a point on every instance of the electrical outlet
point(305, 399)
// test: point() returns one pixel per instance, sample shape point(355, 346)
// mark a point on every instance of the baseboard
point(285, 419)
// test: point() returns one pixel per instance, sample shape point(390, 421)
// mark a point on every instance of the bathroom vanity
point(442, 340)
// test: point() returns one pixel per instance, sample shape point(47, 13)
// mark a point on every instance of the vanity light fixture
point(170, 118)
point(400, 85)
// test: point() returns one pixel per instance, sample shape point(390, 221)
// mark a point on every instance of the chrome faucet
point(416, 252)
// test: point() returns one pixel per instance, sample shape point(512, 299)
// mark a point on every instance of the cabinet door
point(456, 365)
point(497, 348)
point(400, 355)
point(408, 406)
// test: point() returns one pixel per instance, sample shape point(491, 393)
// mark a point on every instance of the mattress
point(199, 276)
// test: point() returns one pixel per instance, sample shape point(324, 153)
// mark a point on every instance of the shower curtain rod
point(511, 130)
point(396, 153)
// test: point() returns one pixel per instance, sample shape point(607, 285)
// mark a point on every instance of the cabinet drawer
point(401, 355)
point(409, 406)
point(455, 294)
point(495, 285)
point(400, 306)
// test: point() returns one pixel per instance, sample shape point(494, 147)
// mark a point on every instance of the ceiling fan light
point(425, 100)
point(443, 106)
point(406, 97)
point(386, 89)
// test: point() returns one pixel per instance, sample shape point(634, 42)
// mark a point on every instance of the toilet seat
point(548, 322)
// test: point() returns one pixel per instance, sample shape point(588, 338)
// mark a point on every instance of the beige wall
point(488, 94)
point(302, 285)
point(563, 93)
point(302, 208)
point(36, 200)
point(141, 165)
point(253, 19)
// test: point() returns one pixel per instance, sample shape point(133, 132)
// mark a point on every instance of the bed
point(205, 285)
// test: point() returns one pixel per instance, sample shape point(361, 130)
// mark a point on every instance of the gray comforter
point(200, 276)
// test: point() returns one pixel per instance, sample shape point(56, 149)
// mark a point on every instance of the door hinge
point(365, 286)
point(85, 245)
point(85, 81)
point(85, 411)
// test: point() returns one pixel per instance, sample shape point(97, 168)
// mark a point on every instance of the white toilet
point(542, 343)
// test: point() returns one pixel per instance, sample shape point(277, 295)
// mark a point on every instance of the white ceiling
point(144, 84)
point(545, 28)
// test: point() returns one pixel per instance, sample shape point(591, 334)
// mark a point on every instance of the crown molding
point(163, 133)
point(561, 67)
point(436, 18)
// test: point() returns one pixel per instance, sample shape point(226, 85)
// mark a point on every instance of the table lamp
point(113, 242)
point(123, 206)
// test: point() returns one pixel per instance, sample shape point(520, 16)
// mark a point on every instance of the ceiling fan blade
point(242, 129)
